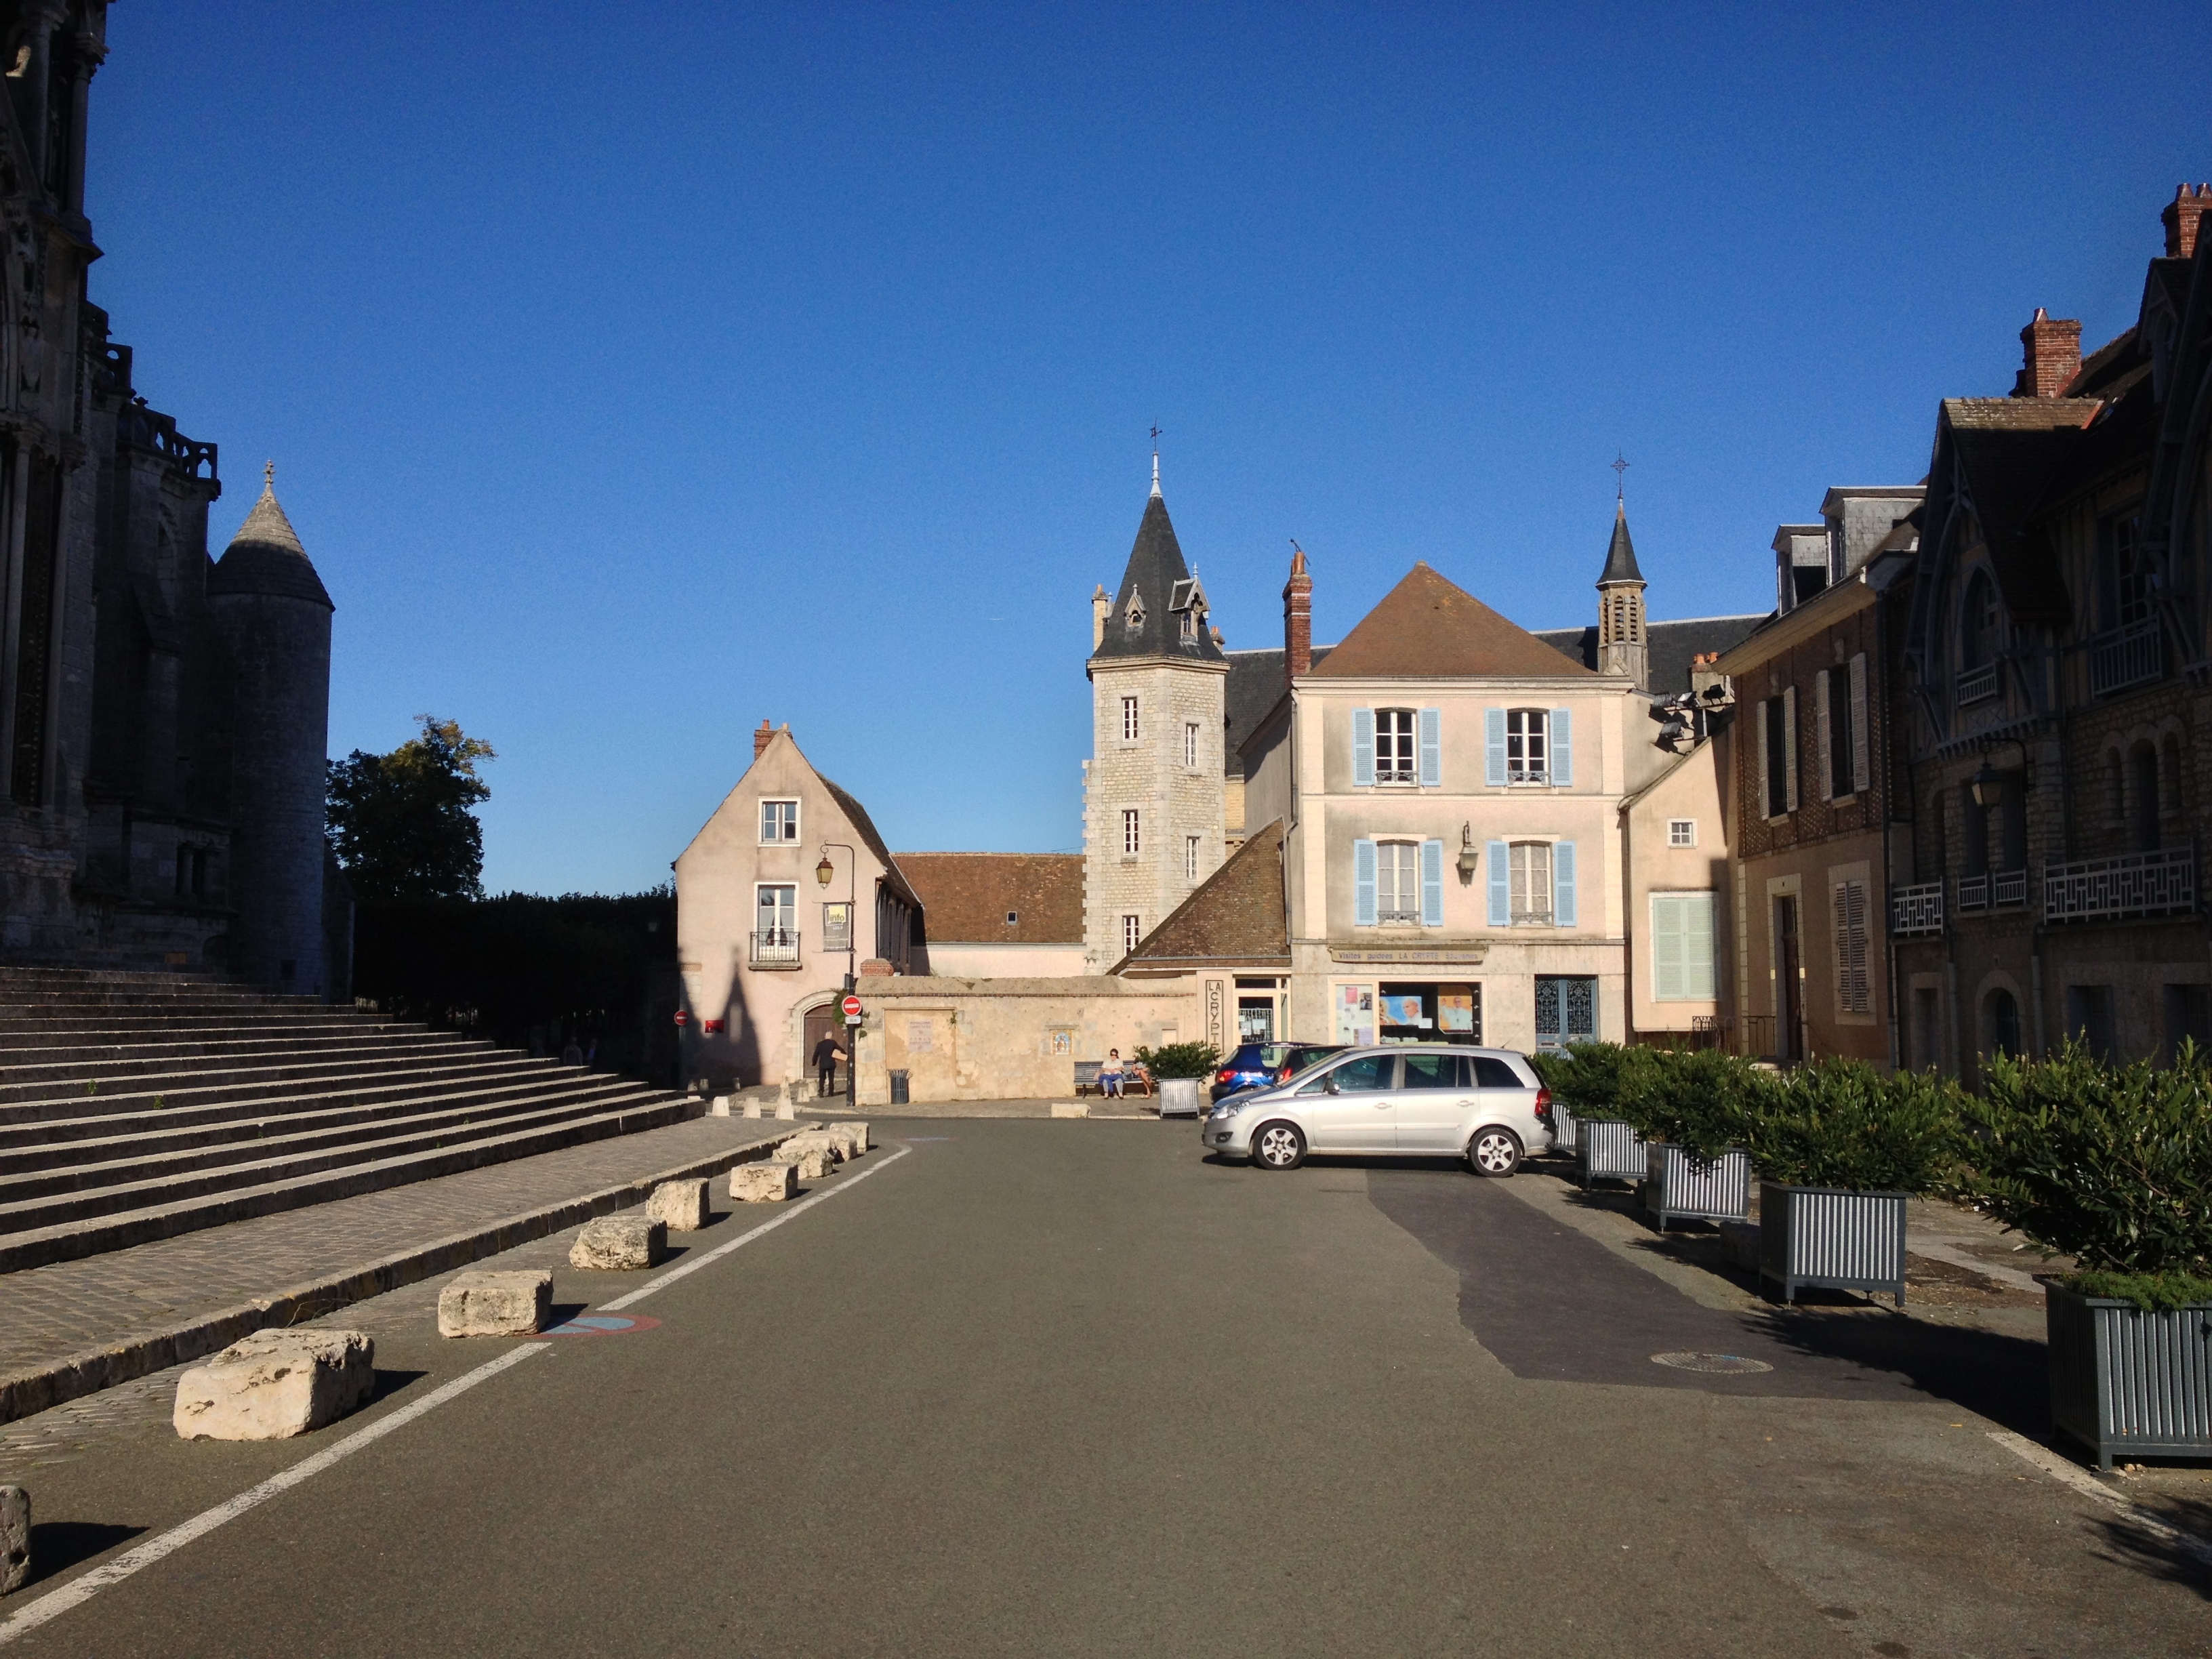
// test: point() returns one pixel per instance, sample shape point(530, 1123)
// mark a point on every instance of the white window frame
point(791, 823)
point(1190, 846)
point(1522, 856)
point(1132, 933)
point(1397, 883)
point(1133, 831)
point(1397, 738)
point(1131, 726)
point(1681, 832)
point(1190, 744)
point(790, 887)
point(1528, 745)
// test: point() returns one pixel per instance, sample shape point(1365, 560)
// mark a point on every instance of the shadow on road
point(2003, 1378)
point(2170, 1559)
point(57, 1546)
point(389, 1382)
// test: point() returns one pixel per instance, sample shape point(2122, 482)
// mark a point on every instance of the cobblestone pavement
point(47, 1313)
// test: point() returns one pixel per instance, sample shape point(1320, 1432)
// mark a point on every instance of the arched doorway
point(824, 1021)
point(1999, 1022)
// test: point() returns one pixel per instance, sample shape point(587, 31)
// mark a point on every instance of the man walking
point(827, 1054)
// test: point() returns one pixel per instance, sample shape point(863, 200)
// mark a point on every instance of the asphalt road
point(1065, 1387)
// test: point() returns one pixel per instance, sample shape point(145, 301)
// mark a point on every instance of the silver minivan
point(1425, 1100)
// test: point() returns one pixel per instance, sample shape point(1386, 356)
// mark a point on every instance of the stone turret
point(1622, 646)
point(275, 619)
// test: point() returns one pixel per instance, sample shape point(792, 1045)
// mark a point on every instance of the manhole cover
point(1726, 1362)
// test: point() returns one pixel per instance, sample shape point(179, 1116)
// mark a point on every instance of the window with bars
point(1132, 933)
point(1128, 720)
point(1854, 983)
point(1190, 742)
point(1531, 892)
point(1527, 745)
point(1395, 761)
point(1132, 838)
point(1397, 883)
point(1191, 858)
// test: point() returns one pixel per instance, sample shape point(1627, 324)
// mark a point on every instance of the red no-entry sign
point(851, 1007)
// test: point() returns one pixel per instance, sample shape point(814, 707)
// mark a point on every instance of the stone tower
point(275, 618)
point(1622, 647)
point(1153, 813)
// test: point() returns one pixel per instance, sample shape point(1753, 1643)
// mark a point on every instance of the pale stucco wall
point(1692, 791)
point(1011, 1039)
point(952, 959)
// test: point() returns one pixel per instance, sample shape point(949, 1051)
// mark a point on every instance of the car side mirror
point(1328, 1084)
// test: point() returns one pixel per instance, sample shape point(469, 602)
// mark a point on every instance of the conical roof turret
point(1160, 607)
point(265, 556)
point(1620, 555)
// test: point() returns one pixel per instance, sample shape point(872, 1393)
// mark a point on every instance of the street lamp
point(1988, 785)
point(824, 872)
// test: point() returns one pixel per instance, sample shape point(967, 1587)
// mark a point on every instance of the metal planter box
point(1609, 1151)
point(1564, 1125)
point(2126, 1381)
point(1179, 1097)
point(1680, 1186)
point(1832, 1237)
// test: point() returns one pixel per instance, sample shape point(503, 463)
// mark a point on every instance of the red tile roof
point(1425, 628)
point(967, 896)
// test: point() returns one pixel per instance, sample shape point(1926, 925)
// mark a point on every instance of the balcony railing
point(1975, 685)
point(2125, 657)
point(1973, 893)
point(1397, 918)
point(2008, 890)
point(1532, 917)
point(1916, 911)
point(2160, 884)
point(774, 947)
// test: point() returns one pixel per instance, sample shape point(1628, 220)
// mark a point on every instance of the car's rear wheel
point(1278, 1146)
point(1494, 1152)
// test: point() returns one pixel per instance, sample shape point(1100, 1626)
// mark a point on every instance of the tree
point(401, 824)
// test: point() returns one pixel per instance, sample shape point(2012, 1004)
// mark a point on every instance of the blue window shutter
point(1363, 760)
point(1563, 747)
point(1432, 747)
point(1433, 884)
point(1563, 884)
point(1501, 878)
point(1362, 884)
point(1493, 747)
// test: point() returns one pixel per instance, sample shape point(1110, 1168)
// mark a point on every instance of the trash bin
point(898, 1088)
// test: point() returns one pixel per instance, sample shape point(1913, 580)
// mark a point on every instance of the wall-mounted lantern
point(1467, 856)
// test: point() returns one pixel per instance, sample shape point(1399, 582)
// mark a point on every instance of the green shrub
point(1700, 1098)
point(1841, 1123)
point(2111, 1165)
point(2150, 1291)
point(1590, 1078)
point(1175, 1060)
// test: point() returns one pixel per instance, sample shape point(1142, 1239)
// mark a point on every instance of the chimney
point(761, 739)
point(1297, 617)
point(2180, 218)
point(1100, 604)
point(2053, 356)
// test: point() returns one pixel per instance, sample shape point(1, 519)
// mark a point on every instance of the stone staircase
point(139, 1106)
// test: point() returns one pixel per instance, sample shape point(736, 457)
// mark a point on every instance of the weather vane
point(1621, 476)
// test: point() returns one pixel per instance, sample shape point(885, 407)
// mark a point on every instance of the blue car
point(1265, 1064)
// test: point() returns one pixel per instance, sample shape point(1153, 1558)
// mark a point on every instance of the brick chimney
point(761, 739)
point(1297, 617)
point(2053, 351)
point(2180, 219)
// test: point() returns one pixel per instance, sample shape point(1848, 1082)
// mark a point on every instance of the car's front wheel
point(1278, 1146)
point(1494, 1152)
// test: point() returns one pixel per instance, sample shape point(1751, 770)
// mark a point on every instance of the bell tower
point(1622, 647)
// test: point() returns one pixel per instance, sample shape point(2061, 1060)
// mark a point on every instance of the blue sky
point(633, 373)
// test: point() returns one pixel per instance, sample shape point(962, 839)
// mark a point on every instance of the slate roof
point(1236, 917)
point(266, 557)
point(1156, 576)
point(1255, 685)
point(1620, 553)
point(1425, 628)
point(1670, 646)
point(967, 896)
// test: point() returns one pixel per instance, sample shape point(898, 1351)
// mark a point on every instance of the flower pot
point(1680, 1186)
point(1178, 1096)
point(2129, 1382)
point(1832, 1237)
point(1609, 1151)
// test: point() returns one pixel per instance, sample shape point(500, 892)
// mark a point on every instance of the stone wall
point(1148, 774)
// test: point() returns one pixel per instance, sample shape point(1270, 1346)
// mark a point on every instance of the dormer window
point(1981, 624)
point(1135, 618)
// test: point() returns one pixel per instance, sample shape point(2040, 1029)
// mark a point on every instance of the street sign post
point(851, 1007)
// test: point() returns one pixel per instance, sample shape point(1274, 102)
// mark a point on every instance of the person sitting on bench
point(1109, 1074)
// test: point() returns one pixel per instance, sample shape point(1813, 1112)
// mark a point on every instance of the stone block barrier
point(764, 1183)
point(619, 1244)
point(275, 1384)
point(1071, 1109)
point(858, 1128)
point(681, 1204)
point(14, 1538)
point(488, 1303)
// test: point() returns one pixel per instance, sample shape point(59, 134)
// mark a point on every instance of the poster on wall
point(1355, 1014)
point(1404, 1009)
point(1454, 1013)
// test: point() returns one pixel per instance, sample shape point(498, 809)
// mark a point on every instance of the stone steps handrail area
point(138, 1106)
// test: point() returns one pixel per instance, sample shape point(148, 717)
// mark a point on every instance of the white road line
point(2071, 1474)
point(744, 1239)
point(83, 1589)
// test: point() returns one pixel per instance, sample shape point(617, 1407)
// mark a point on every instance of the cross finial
point(1156, 460)
point(269, 475)
point(1620, 464)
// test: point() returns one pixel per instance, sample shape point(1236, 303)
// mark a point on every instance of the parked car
point(1427, 1101)
point(1263, 1065)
